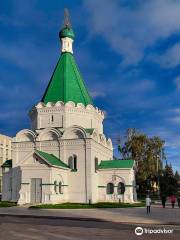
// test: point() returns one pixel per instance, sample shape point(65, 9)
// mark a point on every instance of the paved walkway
point(14, 228)
point(122, 215)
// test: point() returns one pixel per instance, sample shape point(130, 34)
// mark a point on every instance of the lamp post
point(148, 181)
point(157, 165)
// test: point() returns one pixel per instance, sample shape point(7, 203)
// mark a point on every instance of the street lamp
point(157, 165)
point(148, 185)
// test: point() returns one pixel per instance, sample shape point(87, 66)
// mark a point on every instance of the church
point(65, 155)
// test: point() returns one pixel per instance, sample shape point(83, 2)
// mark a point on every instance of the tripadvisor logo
point(139, 231)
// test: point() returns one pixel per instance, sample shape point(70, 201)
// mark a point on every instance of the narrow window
point(110, 188)
point(55, 186)
point(121, 188)
point(75, 162)
point(72, 162)
point(52, 118)
point(96, 164)
point(60, 188)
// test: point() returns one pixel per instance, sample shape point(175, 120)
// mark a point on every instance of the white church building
point(65, 155)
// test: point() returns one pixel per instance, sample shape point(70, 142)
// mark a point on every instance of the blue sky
point(128, 52)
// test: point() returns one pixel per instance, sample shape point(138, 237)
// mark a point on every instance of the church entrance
point(36, 190)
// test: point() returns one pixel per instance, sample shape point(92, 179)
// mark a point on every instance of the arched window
point(60, 187)
point(121, 188)
point(110, 188)
point(72, 162)
point(55, 186)
point(96, 164)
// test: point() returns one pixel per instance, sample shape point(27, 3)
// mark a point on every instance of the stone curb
point(86, 219)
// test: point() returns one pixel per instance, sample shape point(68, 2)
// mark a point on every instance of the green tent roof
point(51, 159)
point(66, 83)
point(116, 164)
point(7, 163)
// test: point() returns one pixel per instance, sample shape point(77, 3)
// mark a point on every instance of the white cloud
point(95, 94)
point(177, 82)
point(176, 110)
point(129, 31)
point(143, 86)
point(175, 119)
point(38, 61)
point(138, 87)
point(170, 59)
point(25, 55)
point(13, 114)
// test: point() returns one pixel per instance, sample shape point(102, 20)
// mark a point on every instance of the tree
point(148, 152)
point(168, 171)
point(168, 181)
point(177, 175)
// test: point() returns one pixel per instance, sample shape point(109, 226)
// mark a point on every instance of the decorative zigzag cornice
point(69, 106)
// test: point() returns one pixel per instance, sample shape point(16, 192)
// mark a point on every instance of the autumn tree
point(148, 152)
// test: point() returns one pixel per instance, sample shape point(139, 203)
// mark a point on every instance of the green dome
point(67, 32)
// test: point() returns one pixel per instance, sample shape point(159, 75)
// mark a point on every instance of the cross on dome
point(66, 34)
point(67, 22)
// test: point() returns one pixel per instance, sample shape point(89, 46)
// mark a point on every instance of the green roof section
point(67, 32)
point(7, 163)
point(51, 159)
point(89, 130)
point(66, 83)
point(116, 164)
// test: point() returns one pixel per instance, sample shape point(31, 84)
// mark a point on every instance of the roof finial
point(66, 34)
point(67, 22)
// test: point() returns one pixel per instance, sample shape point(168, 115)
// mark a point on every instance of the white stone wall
point(115, 176)
point(66, 115)
point(64, 135)
point(59, 175)
point(29, 172)
point(101, 153)
point(20, 178)
point(76, 179)
point(6, 186)
point(5, 153)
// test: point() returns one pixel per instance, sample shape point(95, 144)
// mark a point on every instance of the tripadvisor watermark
point(139, 231)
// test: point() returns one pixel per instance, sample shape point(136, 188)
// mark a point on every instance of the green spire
point(66, 83)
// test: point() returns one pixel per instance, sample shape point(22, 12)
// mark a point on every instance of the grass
point(84, 205)
point(7, 204)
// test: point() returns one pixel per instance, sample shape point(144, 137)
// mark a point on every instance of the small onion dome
point(67, 32)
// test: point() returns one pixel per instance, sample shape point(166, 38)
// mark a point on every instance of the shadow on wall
point(11, 184)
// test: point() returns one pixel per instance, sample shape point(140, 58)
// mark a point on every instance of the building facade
point(5, 153)
point(65, 156)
